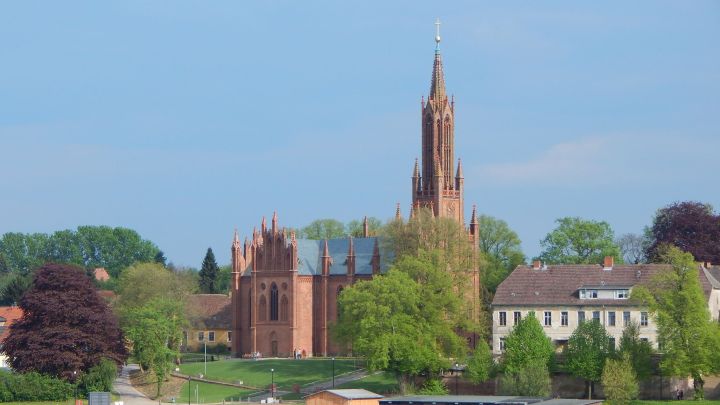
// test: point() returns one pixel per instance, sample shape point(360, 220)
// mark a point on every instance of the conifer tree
point(209, 273)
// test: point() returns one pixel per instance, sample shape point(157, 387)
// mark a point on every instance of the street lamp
point(189, 392)
point(333, 368)
point(75, 381)
point(272, 383)
point(205, 343)
point(457, 371)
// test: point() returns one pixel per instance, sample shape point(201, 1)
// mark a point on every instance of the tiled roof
point(11, 314)
point(101, 274)
point(209, 311)
point(559, 284)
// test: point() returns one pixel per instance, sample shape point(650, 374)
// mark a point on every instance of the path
point(128, 394)
point(339, 380)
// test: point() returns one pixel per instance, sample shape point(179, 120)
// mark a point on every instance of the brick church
point(284, 290)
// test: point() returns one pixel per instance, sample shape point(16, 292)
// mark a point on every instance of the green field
point(211, 393)
point(379, 383)
point(257, 373)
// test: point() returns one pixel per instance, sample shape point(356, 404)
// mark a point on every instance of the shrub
point(433, 386)
point(33, 387)
point(99, 378)
point(619, 381)
point(533, 380)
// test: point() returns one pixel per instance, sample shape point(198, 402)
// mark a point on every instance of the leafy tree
point(501, 247)
point(23, 252)
point(632, 247)
point(209, 273)
point(480, 366)
point(579, 241)
point(619, 381)
point(691, 226)
point(355, 228)
point(223, 279)
point(587, 349)
point(66, 326)
point(688, 335)
point(155, 331)
point(13, 287)
point(532, 380)
point(144, 282)
point(323, 229)
point(527, 344)
point(99, 378)
point(637, 351)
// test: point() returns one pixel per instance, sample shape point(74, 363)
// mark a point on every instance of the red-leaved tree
point(66, 327)
point(691, 226)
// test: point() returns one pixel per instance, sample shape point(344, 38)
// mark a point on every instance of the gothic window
point(273, 302)
point(262, 309)
point(284, 308)
point(250, 304)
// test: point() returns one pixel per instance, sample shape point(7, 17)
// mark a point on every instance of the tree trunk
point(590, 387)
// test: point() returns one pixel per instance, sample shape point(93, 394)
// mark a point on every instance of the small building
point(343, 397)
point(483, 400)
point(101, 274)
point(8, 315)
point(210, 318)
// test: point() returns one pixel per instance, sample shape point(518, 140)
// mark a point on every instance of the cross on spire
point(437, 35)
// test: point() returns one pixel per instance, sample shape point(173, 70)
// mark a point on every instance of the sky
point(185, 120)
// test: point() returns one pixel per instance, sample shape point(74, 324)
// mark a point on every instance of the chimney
point(609, 262)
point(536, 264)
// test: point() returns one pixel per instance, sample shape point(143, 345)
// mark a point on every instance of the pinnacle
point(459, 173)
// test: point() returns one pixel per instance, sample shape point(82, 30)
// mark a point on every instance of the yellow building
point(210, 319)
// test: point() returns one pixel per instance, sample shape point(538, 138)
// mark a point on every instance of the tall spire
point(437, 87)
point(236, 240)
point(459, 173)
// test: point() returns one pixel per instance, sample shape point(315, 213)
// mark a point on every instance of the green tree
point(355, 228)
point(688, 335)
point(23, 253)
point(587, 349)
point(532, 380)
point(433, 386)
point(579, 241)
point(323, 229)
point(619, 381)
point(526, 344)
point(99, 378)
point(501, 247)
point(638, 351)
point(223, 279)
point(155, 331)
point(12, 288)
point(144, 282)
point(209, 273)
point(480, 366)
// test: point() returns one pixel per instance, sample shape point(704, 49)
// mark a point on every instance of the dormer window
point(622, 294)
point(588, 294)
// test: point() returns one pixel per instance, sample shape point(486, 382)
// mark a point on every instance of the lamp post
point(272, 383)
point(75, 381)
point(457, 374)
point(189, 392)
point(333, 372)
point(205, 343)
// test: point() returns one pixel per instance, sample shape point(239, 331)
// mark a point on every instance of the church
point(284, 290)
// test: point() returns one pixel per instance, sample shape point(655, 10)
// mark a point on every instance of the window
point(201, 336)
point(273, 302)
point(563, 318)
point(229, 336)
point(284, 308)
point(611, 318)
point(502, 344)
point(211, 336)
point(596, 316)
point(548, 318)
point(581, 316)
point(516, 318)
point(588, 293)
point(643, 319)
point(611, 343)
point(626, 318)
point(502, 318)
point(622, 294)
point(644, 340)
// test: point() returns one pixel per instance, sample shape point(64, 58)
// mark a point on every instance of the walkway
point(339, 380)
point(128, 394)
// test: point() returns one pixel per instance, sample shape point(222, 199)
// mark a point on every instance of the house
point(101, 274)
point(563, 296)
point(343, 397)
point(8, 315)
point(210, 320)
point(483, 400)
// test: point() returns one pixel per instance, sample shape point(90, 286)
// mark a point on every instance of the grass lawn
point(257, 373)
point(379, 383)
point(210, 393)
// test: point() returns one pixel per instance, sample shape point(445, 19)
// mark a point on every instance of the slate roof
point(559, 284)
point(210, 311)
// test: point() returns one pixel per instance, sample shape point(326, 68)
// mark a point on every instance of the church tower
point(433, 184)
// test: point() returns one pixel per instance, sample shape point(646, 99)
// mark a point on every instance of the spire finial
point(437, 34)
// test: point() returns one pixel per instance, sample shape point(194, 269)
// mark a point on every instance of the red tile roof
point(101, 274)
point(212, 311)
point(10, 314)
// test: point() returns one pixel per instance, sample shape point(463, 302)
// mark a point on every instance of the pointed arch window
point(250, 304)
point(262, 309)
point(273, 302)
point(284, 308)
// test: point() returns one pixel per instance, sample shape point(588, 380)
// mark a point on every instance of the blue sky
point(184, 120)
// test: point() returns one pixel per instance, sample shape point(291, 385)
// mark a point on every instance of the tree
point(587, 349)
point(13, 287)
point(66, 326)
point(23, 253)
point(527, 344)
point(480, 366)
point(688, 336)
point(691, 226)
point(144, 282)
point(355, 228)
point(619, 381)
point(155, 330)
point(532, 380)
point(579, 241)
point(209, 273)
point(632, 247)
point(223, 279)
point(501, 247)
point(323, 229)
point(638, 351)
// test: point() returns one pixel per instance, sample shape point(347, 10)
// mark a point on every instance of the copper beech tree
point(66, 327)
